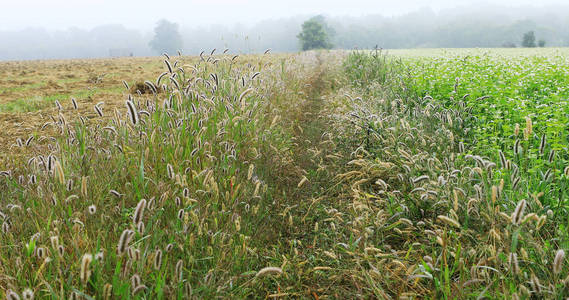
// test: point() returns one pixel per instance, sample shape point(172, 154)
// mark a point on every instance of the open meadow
point(404, 174)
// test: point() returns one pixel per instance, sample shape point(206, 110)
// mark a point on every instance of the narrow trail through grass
point(304, 192)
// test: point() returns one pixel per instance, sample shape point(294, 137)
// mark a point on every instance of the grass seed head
point(494, 193)
point(528, 129)
point(98, 110)
point(54, 242)
point(59, 174)
point(449, 221)
point(558, 261)
point(85, 267)
point(135, 281)
point(179, 270)
point(84, 186)
point(108, 291)
point(269, 271)
point(518, 213)
point(157, 259)
point(140, 227)
point(11, 295)
point(99, 256)
point(139, 211)
point(513, 261)
point(132, 112)
point(92, 209)
point(28, 294)
point(535, 284)
point(170, 170)
point(124, 240)
point(139, 289)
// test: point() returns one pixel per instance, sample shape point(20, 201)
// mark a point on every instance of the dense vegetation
point(424, 174)
point(474, 150)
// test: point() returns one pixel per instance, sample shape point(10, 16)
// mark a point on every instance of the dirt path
point(307, 193)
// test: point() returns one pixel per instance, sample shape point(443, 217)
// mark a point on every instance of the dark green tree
point(541, 43)
point(315, 34)
point(166, 38)
point(529, 40)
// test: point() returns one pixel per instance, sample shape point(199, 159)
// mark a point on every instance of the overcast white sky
point(143, 14)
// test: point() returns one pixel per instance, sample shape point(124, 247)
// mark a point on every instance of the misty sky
point(143, 14)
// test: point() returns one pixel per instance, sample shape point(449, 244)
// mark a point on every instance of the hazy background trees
point(166, 38)
point(529, 39)
point(315, 34)
point(475, 27)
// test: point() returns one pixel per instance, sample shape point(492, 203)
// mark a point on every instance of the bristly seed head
point(69, 185)
point(99, 256)
point(107, 291)
point(135, 281)
point(513, 261)
point(132, 112)
point(519, 212)
point(98, 110)
point(179, 269)
point(158, 259)
point(115, 193)
point(551, 156)
point(138, 289)
point(84, 186)
point(124, 239)
point(558, 261)
point(169, 66)
point(502, 159)
point(420, 178)
point(140, 227)
point(54, 242)
point(28, 294)
point(269, 271)
point(139, 211)
point(536, 286)
point(170, 170)
point(11, 295)
point(85, 267)
point(59, 174)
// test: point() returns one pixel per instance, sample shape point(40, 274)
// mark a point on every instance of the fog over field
point(34, 29)
point(320, 149)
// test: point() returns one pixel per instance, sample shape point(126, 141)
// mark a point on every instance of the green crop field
point(404, 174)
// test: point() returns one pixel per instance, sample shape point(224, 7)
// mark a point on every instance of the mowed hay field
point(29, 89)
point(408, 174)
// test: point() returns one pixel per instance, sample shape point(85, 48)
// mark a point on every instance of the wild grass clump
point(152, 198)
point(439, 219)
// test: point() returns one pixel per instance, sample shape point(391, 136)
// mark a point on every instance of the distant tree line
point(480, 27)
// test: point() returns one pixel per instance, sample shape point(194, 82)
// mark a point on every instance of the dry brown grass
point(89, 81)
point(29, 89)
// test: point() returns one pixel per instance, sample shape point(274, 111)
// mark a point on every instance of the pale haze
point(43, 29)
point(59, 14)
